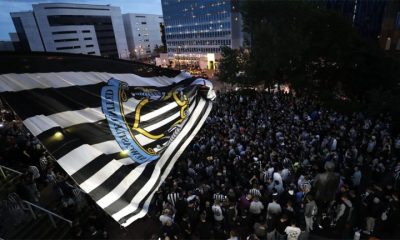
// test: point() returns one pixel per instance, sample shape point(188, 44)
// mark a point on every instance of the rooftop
point(12, 62)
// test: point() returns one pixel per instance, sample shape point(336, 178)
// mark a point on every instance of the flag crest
point(135, 130)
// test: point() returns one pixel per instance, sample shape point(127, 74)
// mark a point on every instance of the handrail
point(49, 213)
point(9, 169)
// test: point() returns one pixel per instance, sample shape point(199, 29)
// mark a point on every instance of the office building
point(72, 28)
point(143, 33)
point(6, 46)
point(389, 38)
point(15, 41)
point(197, 29)
point(375, 20)
point(28, 32)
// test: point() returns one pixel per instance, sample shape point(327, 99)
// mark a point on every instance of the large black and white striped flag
point(116, 135)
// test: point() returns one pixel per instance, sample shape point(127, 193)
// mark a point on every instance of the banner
point(117, 135)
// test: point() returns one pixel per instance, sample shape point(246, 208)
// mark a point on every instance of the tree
point(276, 38)
point(159, 49)
point(233, 66)
point(319, 52)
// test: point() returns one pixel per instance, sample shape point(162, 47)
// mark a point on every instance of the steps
point(8, 185)
point(40, 228)
point(29, 228)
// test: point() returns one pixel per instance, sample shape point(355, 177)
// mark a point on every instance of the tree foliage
point(314, 50)
point(234, 66)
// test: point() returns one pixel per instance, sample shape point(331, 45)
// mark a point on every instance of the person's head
point(92, 229)
point(248, 196)
point(203, 217)
point(293, 223)
point(166, 211)
point(329, 166)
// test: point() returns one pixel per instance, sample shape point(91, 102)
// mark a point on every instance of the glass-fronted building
point(376, 20)
point(200, 27)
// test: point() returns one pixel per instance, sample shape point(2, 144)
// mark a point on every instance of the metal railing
point(29, 206)
point(4, 170)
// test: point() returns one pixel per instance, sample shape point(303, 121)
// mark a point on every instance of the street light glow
point(58, 135)
point(125, 152)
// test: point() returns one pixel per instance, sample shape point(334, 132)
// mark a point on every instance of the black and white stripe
point(255, 192)
point(220, 197)
point(173, 198)
point(69, 102)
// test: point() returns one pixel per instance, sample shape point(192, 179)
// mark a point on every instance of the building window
point(398, 21)
point(71, 47)
point(63, 32)
point(86, 31)
point(88, 38)
point(143, 23)
point(91, 45)
point(80, 8)
point(67, 40)
point(91, 53)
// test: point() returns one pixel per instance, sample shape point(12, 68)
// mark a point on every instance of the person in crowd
point(293, 232)
point(256, 207)
point(326, 184)
point(304, 162)
point(274, 209)
point(343, 215)
point(217, 211)
point(281, 226)
point(310, 212)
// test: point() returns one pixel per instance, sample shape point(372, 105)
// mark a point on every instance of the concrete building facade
point(73, 28)
point(143, 33)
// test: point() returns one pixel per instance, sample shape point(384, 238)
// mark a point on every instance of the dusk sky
point(127, 6)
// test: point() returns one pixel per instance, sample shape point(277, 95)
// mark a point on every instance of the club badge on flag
point(115, 105)
point(117, 135)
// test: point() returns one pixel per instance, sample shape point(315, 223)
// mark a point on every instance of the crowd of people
point(278, 166)
point(264, 166)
